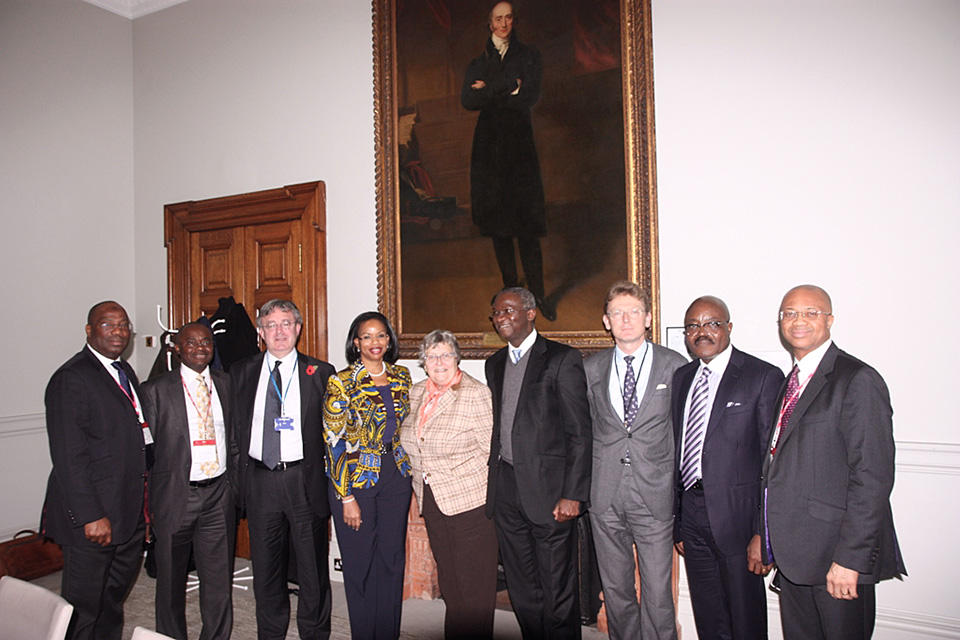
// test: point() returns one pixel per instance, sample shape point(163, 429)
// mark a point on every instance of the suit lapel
point(657, 366)
point(107, 379)
point(537, 355)
point(176, 398)
point(682, 391)
point(729, 381)
point(810, 393)
point(602, 384)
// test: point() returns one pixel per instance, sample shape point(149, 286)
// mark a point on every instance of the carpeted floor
point(422, 619)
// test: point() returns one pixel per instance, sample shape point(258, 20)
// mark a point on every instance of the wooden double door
point(254, 247)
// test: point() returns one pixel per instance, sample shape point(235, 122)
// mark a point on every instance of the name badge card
point(283, 422)
point(204, 451)
point(147, 436)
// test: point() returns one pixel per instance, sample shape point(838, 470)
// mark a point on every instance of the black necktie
point(271, 411)
point(124, 380)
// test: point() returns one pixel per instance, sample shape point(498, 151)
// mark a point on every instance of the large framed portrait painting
point(515, 147)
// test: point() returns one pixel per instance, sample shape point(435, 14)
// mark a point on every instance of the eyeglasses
point(286, 325)
point(193, 344)
point(634, 313)
point(693, 329)
point(507, 311)
point(810, 314)
point(434, 358)
point(109, 327)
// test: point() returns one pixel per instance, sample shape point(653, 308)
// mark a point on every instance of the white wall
point(781, 126)
point(820, 142)
point(66, 186)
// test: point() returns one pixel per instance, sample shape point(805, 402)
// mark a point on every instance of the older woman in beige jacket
point(447, 436)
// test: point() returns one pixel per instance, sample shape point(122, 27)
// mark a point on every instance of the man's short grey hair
point(437, 337)
point(526, 298)
point(278, 305)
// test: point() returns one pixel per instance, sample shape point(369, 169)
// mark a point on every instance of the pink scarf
point(433, 399)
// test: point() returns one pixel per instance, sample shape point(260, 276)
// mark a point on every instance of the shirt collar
point(107, 362)
point(189, 374)
point(719, 363)
point(525, 345)
point(288, 361)
point(809, 363)
point(638, 354)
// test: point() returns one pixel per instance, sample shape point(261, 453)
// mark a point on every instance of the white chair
point(30, 612)
point(141, 633)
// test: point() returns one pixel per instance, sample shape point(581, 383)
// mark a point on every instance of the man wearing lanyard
point(278, 400)
point(631, 496)
point(191, 486)
point(826, 484)
point(94, 506)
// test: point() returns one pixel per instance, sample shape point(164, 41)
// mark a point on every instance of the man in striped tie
point(723, 405)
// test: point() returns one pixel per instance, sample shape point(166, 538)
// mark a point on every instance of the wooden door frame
point(306, 202)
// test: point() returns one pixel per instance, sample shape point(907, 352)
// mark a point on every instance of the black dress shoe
point(546, 309)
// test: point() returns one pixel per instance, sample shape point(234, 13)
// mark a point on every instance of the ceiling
point(132, 9)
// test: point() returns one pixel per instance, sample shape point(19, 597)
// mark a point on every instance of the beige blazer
point(453, 448)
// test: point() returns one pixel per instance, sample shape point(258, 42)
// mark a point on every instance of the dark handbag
point(30, 556)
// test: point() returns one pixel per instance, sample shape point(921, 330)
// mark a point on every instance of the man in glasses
point(94, 502)
point(827, 477)
point(723, 405)
point(631, 495)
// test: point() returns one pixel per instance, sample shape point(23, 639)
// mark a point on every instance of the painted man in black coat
point(506, 190)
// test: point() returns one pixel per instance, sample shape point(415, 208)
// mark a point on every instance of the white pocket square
point(733, 404)
point(661, 386)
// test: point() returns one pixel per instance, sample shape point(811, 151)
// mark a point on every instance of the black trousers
point(465, 548)
point(729, 602)
point(209, 529)
point(810, 613)
point(280, 516)
point(374, 556)
point(540, 564)
point(531, 256)
point(96, 581)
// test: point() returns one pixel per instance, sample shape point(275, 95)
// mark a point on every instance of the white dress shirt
point(291, 440)
point(641, 365)
point(190, 386)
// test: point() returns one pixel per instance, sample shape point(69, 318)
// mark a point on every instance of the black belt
point(205, 483)
point(281, 466)
point(696, 486)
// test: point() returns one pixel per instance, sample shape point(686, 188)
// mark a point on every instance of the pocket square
point(661, 386)
point(733, 404)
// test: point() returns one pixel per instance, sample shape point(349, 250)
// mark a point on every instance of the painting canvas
point(487, 159)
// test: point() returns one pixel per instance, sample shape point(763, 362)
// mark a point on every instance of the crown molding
point(133, 9)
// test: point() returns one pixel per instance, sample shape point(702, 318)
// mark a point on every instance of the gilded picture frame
point(460, 303)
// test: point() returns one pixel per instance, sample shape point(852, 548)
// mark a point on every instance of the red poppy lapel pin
point(311, 369)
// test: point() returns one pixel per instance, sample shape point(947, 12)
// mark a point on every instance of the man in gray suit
point(827, 479)
point(631, 496)
point(191, 486)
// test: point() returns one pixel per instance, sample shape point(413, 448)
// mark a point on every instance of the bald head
point(812, 290)
point(806, 317)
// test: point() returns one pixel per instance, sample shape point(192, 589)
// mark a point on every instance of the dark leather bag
point(29, 556)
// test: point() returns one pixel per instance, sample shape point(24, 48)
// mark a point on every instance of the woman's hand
point(351, 513)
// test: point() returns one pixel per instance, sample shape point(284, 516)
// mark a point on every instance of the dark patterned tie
point(630, 404)
point(695, 431)
point(271, 411)
point(124, 380)
point(790, 398)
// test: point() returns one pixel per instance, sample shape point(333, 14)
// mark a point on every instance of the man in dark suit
point(278, 401)
point(191, 486)
point(827, 479)
point(94, 501)
point(723, 404)
point(539, 467)
point(631, 499)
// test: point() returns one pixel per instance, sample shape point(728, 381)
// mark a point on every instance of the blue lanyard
point(282, 396)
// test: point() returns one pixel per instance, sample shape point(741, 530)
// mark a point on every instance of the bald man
point(827, 478)
point(723, 404)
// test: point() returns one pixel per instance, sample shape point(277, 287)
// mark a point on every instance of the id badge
point(147, 436)
point(204, 450)
point(283, 422)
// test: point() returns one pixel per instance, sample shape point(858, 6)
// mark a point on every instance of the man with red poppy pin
point(278, 423)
